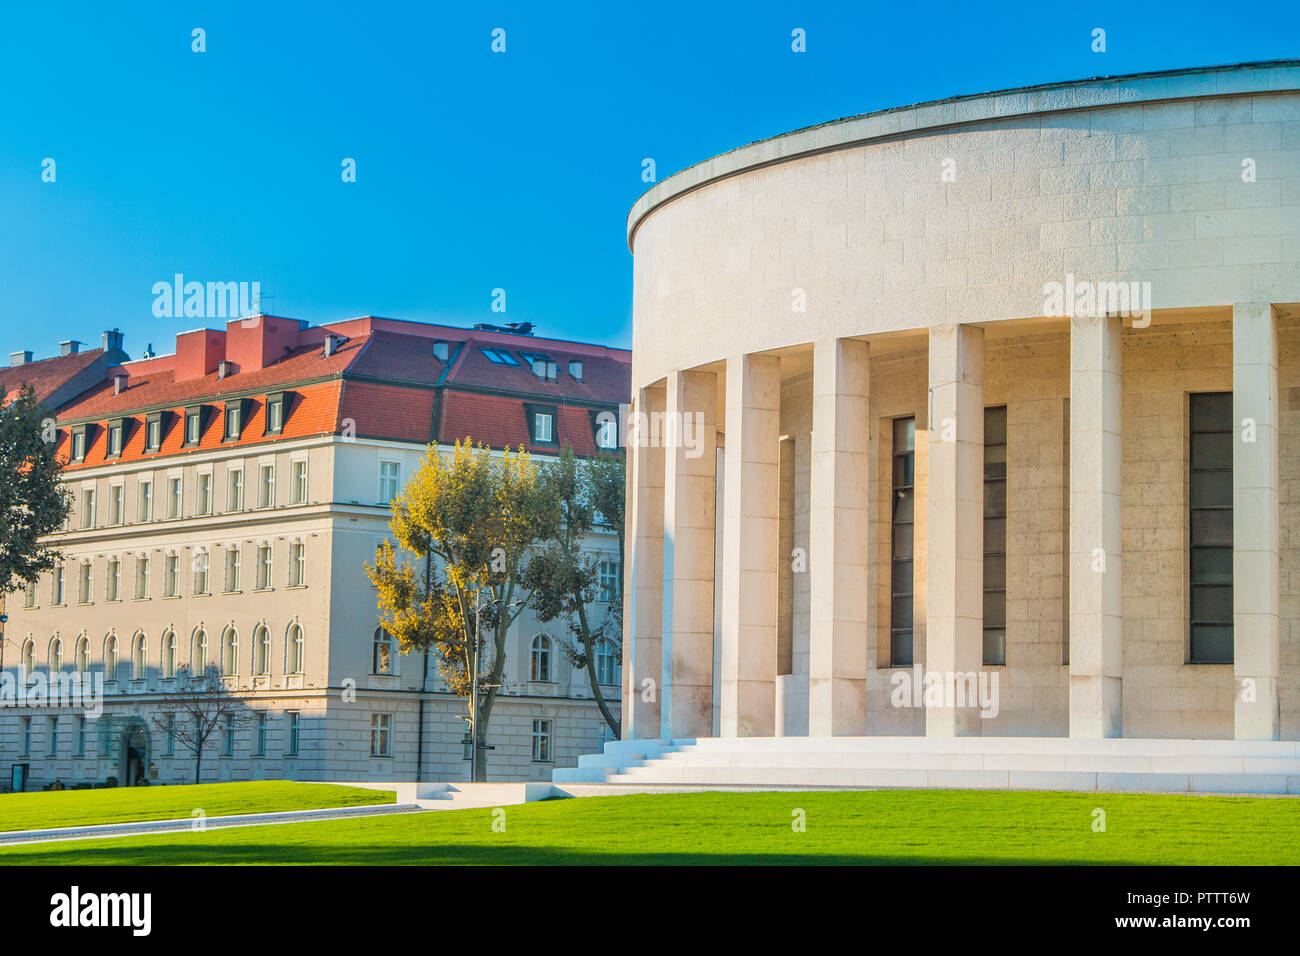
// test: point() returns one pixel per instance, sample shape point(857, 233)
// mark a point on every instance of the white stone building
point(1005, 387)
point(225, 499)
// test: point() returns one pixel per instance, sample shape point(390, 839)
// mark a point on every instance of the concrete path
point(197, 824)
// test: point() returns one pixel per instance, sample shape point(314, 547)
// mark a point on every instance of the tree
point(564, 576)
point(478, 515)
point(33, 502)
point(194, 709)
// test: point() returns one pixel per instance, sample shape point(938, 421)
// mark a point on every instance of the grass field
point(890, 826)
point(69, 808)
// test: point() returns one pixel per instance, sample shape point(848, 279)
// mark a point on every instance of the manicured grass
point(890, 826)
point(69, 808)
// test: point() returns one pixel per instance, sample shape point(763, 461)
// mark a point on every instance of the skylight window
point(499, 357)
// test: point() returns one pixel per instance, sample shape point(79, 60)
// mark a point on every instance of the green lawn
point(68, 808)
point(889, 826)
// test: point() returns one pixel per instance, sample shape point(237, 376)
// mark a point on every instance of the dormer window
point(235, 415)
point(606, 431)
point(543, 366)
point(116, 429)
point(541, 423)
point(153, 432)
point(79, 443)
point(193, 425)
point(275, 413)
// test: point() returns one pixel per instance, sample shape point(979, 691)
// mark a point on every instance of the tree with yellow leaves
point(476, 515)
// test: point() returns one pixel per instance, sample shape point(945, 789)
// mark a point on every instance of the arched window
point(83, 655)
point(110, 657)
point(261, 651)
point(29, 656)
point(230, 652)
point(295, 649)
point(541, 670)
point(139, 657)
point(56, 656)
point(169, 654)
point(382, 662)
point(199, 657)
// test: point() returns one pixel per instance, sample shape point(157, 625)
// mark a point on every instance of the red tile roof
point(47, 375)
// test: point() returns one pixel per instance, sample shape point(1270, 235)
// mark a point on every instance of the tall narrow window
point(295, 650)
point(201, 559)
point(203, 495)
point(113, 577)
point(230, 652)
point(1211, 528)
point(228, 738)
point(263, 567)
point(260, 744)
point(995, 535)
point(903, 538)
point(261, 652)
point(382, 652)
point(85, 583)
point(169, 655)
point(297, 564)
point(235, 491)
point(174, 489)
point(390, 473)
point(299, 486)
point(87, 508)
point(232, 568)
point(381, 726)
point(116, 505)
point(266, 486)
point(541, 659)
point(141, 576)
point(541, 741)
point(58, 578)
point(110, 658)
point(171, 575)
point(295, 723)
point(145, 512)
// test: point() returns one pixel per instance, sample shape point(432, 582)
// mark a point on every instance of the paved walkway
point(138, 827)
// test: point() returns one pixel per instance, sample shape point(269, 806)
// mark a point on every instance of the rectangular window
point(201, 572)
point(29, 594)
point(232, 568)
point(233, 421)
point(298, 489)
point(902, 538)
point(113, 589)
point(27, 737)
point(541, 741)
point(380, 727)
point(499, 357)
point(263, 567)
point(153, 433)
point(390, 473)
point(171, 575)
point(261, 736)
point(608, 579)
point(607, 434)
point(543, 427)
point(203, 495)
point(297, 564)
point(116, 504)
point(81, 736)
point(274, 414)
point(606, 666)
point(266, 486)
point(115, 439)
point(169, 736)
point(142, 576)
point(57, 591)
point(84, 583)
point(79, 444)
point(235, 491)
point(1210, 474)
point(193, 426)
point(175, 487)
point(995, 535)
point(145, 512)
point(228, 737)
point(295, 722)
point(87, 508)
point(54, 737)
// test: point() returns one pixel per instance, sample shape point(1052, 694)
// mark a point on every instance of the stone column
point(644, 577)
point(686, 707)
point(1256, 572)
point(749, 547)
point(1096, 548)
point(839, 539)
point(954, 640)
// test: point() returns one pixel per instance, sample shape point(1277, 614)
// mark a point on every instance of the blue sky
point(475, 170)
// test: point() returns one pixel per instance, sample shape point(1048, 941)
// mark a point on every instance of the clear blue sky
point(475, 170)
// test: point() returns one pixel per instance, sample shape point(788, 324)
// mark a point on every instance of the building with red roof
point(225, 500)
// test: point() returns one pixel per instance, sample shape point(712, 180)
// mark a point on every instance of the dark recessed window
point(79, 443)
point(902, 538)
point(1210, 503)
point(274, 413)
point(995, 535)
point(116, 429)
point(153, 432)
point(193, 425)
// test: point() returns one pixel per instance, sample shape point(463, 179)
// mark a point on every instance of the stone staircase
point(1018, 763)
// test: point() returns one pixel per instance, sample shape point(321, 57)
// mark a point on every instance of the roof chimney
point(332, 343)
point(112, 340)
point(69, 347)
point(225, 368)
point(440, 351)
point(575, 369)
point(19, 358)
point(119, 383)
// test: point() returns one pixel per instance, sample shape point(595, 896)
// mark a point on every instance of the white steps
point(1031, 763)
